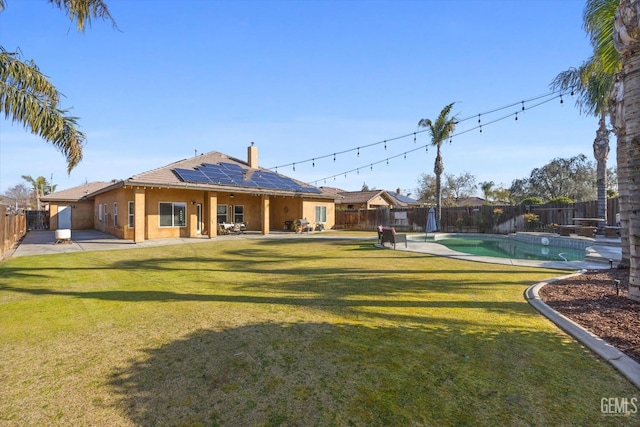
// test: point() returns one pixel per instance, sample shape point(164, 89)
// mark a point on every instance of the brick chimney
point(252, 156)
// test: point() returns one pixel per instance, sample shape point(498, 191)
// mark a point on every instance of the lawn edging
point(620, 361)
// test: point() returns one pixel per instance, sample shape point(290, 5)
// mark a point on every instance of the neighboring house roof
point(332, 190)
point(404, 200)
point(211, 171)
point(470, 201)
point(363, 197)
point(75, 194)
point(4, 200)
point(360, 197)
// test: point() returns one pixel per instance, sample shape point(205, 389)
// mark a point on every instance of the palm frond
point(27, 97)
point(82, 11)
point(598, 22)
point(591, 84)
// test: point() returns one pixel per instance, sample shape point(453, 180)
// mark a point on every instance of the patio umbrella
point(431, 223)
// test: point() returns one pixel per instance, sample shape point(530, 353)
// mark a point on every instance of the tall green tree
point(426, 189)
point(439, 131)
point(594, 87)
point(460, 186)
point(29, 98)
point(626, 40)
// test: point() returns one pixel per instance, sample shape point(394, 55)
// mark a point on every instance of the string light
point(543, 100)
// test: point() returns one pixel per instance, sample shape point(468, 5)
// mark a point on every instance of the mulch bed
point(592, 301)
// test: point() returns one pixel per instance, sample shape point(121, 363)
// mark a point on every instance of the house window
point(105, 214)
point(130, 215)
point(321, 214)
point(100, 213)
point(173, 214)
point(115, 214)
point(222, 213)
point(238, 213)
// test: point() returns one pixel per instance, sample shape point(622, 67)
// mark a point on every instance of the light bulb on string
point(414, 137)
point(334, 157)
point(478, 118)
point(387, 161)
point(522, 105)
point(385, 145)
point(357, 171)
point(561, 101)
point(371, 166)
point(358, 151)
point(516, 116)
point(294, 167)
point(405, 156)
point(313, 163)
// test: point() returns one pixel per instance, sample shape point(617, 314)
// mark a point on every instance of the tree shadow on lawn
point(325, 374)
point(520, 307)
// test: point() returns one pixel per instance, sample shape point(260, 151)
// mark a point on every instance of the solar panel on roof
point(191, 175)
point(232, 174)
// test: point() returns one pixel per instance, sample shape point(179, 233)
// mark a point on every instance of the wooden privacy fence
point(12, 228)
point(477, 219)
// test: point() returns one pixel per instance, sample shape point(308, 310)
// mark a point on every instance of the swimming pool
point(514, 247)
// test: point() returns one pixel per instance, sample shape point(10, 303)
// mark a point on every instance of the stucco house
point(190, 198)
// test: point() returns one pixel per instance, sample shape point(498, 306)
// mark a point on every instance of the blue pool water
point(510, 248)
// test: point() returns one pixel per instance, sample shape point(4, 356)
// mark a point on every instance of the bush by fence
point(477, 219)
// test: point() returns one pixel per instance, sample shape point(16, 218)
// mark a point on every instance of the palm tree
point(41, 187)
point(599, 19)
point(439, 131)
point(28, 97)
point(593, 87)
point(487, 189)
point(626, 40)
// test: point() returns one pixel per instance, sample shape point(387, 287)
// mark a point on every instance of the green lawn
point(292, 332)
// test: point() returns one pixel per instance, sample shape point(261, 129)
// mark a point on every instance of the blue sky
point(303, 79)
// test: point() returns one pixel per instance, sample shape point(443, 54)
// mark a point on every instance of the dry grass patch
point(286, 332)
